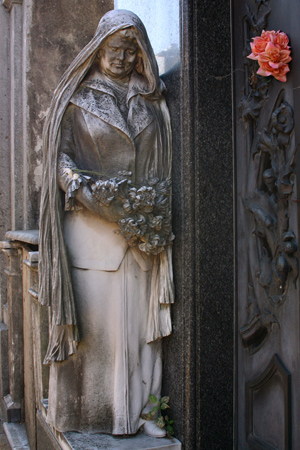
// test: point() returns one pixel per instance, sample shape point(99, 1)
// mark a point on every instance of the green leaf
point(145, 416)
point(170, 430)
point(151, 414)
point(152, 398)
point(164, 406)
point(160, 422)
point(165, 400)
point(155, 408)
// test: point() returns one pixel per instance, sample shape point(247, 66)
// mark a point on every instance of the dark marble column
point(199, 356)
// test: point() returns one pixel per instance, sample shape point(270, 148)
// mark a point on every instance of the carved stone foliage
point(272, 265)
point(269, 205)
point(276, 242)
point(262, 2)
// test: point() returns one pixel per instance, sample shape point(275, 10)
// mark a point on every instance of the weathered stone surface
point(5, 223)
point(4, 373)
point(4, 445)
point(17, 167)
point(55, 33)
point(90, 441)
point(28, 236)
point(15, 324)
point(31, 388)
point(16, 436)
point(45, 438)
point(78, 441)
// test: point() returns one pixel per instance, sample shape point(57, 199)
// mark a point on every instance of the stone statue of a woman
point(105, 244)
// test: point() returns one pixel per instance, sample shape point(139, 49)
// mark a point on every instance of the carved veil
point(55, 281)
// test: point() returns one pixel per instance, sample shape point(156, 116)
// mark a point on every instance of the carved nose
point(121, 55)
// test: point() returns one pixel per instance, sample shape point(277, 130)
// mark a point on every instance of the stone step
point(16, 436)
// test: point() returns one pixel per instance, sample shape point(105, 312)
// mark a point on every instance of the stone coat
point(97, 137)
point(105, 386)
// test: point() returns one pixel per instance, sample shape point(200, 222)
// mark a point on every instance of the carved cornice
point(8, 4)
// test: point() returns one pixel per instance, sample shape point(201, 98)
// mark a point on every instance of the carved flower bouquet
point(272, 52)
point(145, 216)
point(147, 221)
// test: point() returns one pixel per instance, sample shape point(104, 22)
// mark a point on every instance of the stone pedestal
point(48, 437)
point(139, 442)
point(17, 438)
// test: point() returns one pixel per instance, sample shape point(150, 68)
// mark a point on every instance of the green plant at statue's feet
point(161, 421)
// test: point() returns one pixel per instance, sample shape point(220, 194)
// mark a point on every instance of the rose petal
point(275, 65)
point(252, 56)
point(262, 72)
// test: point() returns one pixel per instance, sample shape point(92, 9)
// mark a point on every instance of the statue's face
point(118, 56)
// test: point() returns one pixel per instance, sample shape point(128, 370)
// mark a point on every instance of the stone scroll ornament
point(105, 234)
point(269, 202)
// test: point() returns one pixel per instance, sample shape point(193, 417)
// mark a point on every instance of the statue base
point(48, 437)
point(141, 441)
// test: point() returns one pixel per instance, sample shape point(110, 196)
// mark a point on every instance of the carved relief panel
point(267, 296)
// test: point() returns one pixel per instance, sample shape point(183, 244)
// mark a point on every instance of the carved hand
point(112, 212)
point(76, 187)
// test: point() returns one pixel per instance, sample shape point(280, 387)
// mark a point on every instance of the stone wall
point(5, 222)
point(55, 33)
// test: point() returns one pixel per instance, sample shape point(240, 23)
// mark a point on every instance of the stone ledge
point(85, 441)
point(27, 236)
point(16, 436)
point(11, 411)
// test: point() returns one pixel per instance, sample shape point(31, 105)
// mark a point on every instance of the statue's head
point(122, 30)
point(119, 54)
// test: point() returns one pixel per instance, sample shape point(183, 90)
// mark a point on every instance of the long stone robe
point(105, 386)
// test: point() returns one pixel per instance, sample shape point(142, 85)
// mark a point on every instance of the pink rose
point(260, 42)
point(280, 74)
point(282, 40)
point(272, 52)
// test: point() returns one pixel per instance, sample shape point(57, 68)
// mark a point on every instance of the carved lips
point(272, 52)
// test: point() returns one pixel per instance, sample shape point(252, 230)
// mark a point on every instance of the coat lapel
point(99, 99)
point(102, 105)
point(139, 115)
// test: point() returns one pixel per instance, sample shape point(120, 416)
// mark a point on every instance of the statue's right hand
point(112, 212)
